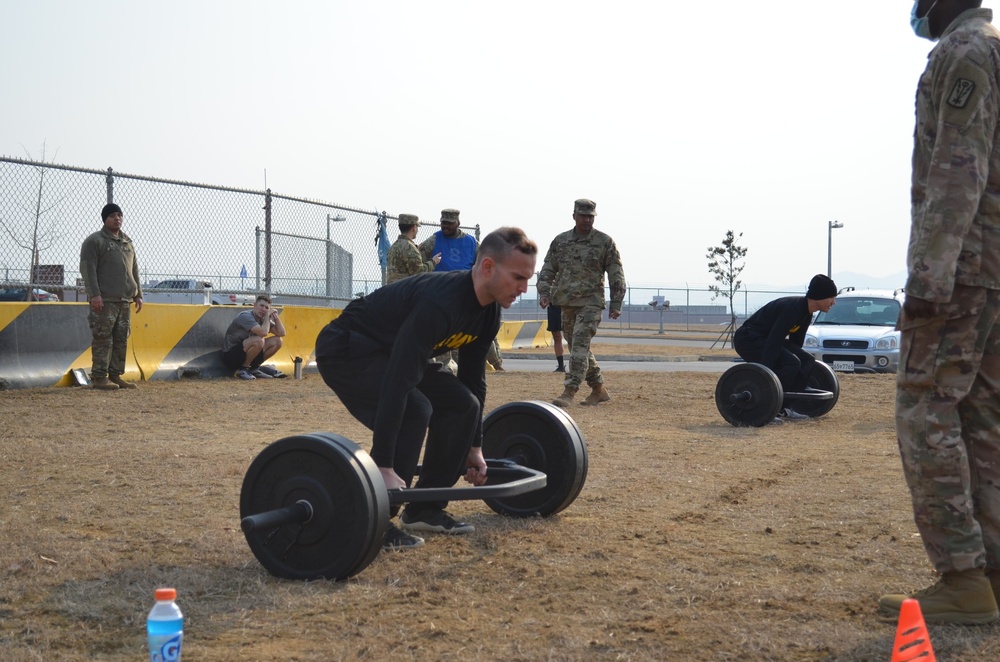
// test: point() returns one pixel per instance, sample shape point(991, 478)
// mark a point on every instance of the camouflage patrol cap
point(408, 219)
point(585, 207)
point(449, 215)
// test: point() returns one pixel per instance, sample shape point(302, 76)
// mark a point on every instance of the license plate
point(844, 366)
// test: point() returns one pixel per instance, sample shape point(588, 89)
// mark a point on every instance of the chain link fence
point(301, 251)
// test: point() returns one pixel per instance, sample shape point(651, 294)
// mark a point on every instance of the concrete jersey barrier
point(41, 344)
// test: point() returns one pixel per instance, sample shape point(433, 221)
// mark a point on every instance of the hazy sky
point(682, 120)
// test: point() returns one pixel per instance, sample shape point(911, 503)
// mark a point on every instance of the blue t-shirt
point(456, 252)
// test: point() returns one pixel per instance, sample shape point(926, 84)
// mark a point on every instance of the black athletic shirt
point(413, 320)
point(787, 317)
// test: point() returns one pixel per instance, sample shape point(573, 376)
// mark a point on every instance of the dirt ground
point(691, 540)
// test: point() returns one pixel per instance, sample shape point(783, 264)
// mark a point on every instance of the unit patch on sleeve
point(960, 94)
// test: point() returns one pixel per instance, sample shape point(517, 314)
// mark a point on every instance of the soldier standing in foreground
point(947, 409)
point(577, 261)
point(111, 277)
point(404, 256)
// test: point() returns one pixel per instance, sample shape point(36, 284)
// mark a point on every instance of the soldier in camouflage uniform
point(947, 405)
point(572, 278)
point(111, 276)
point(404, 256)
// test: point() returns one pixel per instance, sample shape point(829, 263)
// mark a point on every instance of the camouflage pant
point(948, 428)
point(579, 326)
point(111, 328)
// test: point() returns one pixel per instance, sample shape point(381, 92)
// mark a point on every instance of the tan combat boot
point(116, 379)
point(104, 384)
point(566, 399)
point(960, 598)
point(598, 394)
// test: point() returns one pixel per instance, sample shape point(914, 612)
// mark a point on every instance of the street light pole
point(329, 253)
point(831, 225)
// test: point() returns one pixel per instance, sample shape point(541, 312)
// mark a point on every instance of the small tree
point(44, 232)
point(725, 263)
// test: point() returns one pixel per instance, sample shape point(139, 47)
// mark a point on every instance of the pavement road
point(548, 365)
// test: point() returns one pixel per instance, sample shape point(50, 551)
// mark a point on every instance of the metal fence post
point(257, 232)
point(687, 307)
point(110, 179)
point(267, 241)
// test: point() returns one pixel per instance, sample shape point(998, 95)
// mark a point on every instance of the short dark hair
point(405, 227)
point(262, 297)
point(503, 241)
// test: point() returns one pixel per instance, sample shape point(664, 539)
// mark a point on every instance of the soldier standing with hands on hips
point(111, 277)
point(576, 262)
point(947, 408)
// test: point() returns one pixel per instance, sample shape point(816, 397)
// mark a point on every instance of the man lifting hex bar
point(773, 336)
point(377, 356)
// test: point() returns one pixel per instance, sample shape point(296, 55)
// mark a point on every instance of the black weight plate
point(825, 379)
point(543, 437)
point(761, 389)
point(349, 500)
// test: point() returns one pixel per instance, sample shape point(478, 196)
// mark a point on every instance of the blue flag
point(243, 271)
point(382, 239)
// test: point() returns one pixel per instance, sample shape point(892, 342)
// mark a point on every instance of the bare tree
point(43, 231)
point(725, 263)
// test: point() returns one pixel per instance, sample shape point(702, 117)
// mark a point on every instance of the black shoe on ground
point(434, 521)
point(560, 369)
point(260, 374)
point(396, 540)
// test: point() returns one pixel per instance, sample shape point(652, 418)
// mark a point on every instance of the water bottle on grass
point(165, 627)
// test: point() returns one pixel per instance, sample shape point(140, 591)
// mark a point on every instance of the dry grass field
point(692, 540)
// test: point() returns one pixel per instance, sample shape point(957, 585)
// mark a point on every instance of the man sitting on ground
point(254, 336)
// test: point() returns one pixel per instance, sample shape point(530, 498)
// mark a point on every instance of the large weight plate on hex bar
point(543, 437)
point(348, 497)
point(825, 379)
point(748, 394)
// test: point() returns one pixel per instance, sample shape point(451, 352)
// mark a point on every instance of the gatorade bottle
point(165, 627)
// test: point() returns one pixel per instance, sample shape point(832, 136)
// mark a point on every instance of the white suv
point(859, 333)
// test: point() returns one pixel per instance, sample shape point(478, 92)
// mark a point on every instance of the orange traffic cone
point(913, 641)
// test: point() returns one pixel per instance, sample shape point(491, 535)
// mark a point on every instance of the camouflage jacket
point(955, 193)
point(405, 260)
point(574, 268)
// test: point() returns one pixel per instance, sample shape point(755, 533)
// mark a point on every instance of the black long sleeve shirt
point(787, 317)
point(413, 320)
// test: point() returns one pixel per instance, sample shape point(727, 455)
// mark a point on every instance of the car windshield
point(861, 312)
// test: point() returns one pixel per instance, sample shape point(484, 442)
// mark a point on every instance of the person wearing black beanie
point(773, 336)
point(821, 287)
point(111, 277)
point(110, 208)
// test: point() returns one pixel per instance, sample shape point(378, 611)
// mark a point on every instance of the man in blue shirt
point(457, 249)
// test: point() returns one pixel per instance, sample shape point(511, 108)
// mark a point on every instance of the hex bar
point(809, 395)
point(521, 480)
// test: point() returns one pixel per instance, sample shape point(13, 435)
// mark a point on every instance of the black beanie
point(821, 287)
point(109, 209)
